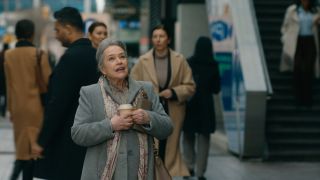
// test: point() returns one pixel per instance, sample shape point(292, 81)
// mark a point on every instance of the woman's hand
point(36, 151)
point(167, 93)
point(140, 117)
point(121, 122)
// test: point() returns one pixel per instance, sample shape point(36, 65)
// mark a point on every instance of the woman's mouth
point(120, 69)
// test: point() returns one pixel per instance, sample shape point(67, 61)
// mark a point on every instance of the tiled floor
point(6, 149)
point(221, 165)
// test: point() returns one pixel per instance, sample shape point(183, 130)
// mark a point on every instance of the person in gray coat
point(118, 146)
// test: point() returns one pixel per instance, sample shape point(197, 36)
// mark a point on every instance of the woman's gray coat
point(92, 129)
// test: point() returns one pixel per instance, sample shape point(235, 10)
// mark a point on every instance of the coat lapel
point(134, 88)
point(149, 62)
point(174, 67)
point(295, 16)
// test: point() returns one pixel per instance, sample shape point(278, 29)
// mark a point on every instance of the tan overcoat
point(182, 83)
point(24, 104)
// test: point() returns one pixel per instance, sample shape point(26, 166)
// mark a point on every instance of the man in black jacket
point(61, 158)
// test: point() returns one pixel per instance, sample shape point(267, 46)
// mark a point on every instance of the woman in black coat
point(200, 115)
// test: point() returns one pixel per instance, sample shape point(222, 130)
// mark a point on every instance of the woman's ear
point(89, 36)
point(102, 70)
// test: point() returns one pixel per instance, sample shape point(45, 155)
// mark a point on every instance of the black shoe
point(202, 178)
point(27, 172)
point(17, 169)
point(191, 172)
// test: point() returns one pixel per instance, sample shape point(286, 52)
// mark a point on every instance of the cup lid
point(125, 106)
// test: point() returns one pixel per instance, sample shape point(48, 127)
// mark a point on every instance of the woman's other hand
point(167, 93)
point(36, 151)
point(121, 122)
point(140, 117)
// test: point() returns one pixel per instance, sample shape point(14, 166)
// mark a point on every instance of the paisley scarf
point(113, 144)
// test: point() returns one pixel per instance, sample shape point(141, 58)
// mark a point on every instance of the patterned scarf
point(113, 144)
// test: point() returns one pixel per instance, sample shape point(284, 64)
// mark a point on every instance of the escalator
point(292, 133)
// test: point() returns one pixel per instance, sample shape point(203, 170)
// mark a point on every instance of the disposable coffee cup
point(125, 109)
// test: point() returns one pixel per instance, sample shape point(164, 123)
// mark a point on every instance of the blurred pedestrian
point(3, 98)
point(47, 40)
point(62, 158)
point(115, 149)
point(97, 32)
point(24, 103)
point(172, 81)
point(200, 115)
point(301, 48)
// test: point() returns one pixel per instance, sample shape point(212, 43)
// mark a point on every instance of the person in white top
point(301, 48)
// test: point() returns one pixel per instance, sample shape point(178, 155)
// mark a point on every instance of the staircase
point(292, 133)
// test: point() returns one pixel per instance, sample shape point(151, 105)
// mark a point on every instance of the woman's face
point(115, 63)
point(160, 40)
point(305, 3)
point(99, 33)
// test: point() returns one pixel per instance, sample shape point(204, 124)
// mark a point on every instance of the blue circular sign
point(220, 30)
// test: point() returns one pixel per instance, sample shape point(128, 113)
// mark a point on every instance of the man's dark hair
point(70, 16)
point(24, 29)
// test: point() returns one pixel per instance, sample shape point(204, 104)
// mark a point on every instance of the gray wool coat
point(92, 129)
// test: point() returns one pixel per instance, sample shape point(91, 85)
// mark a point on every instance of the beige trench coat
point(182, 83)
point(290, 32)
point(24, 104)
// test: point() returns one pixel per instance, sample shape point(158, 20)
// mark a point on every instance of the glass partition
point(242, 76)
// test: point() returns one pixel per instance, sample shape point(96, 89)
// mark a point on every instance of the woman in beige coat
point(24, 103)
point(172, 80)
point(301, 48)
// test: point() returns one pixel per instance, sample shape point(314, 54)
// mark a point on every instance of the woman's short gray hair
point(104, 45)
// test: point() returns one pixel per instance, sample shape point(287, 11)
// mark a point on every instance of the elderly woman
point(116, 150)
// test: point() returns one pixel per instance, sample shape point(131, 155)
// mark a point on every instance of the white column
point(87, 6)
point(18, 5)
point(36, 4)
point(6, 5)
point(100, 5)
point(191, 23)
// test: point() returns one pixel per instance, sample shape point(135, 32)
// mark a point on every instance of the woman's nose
point(119, 60)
